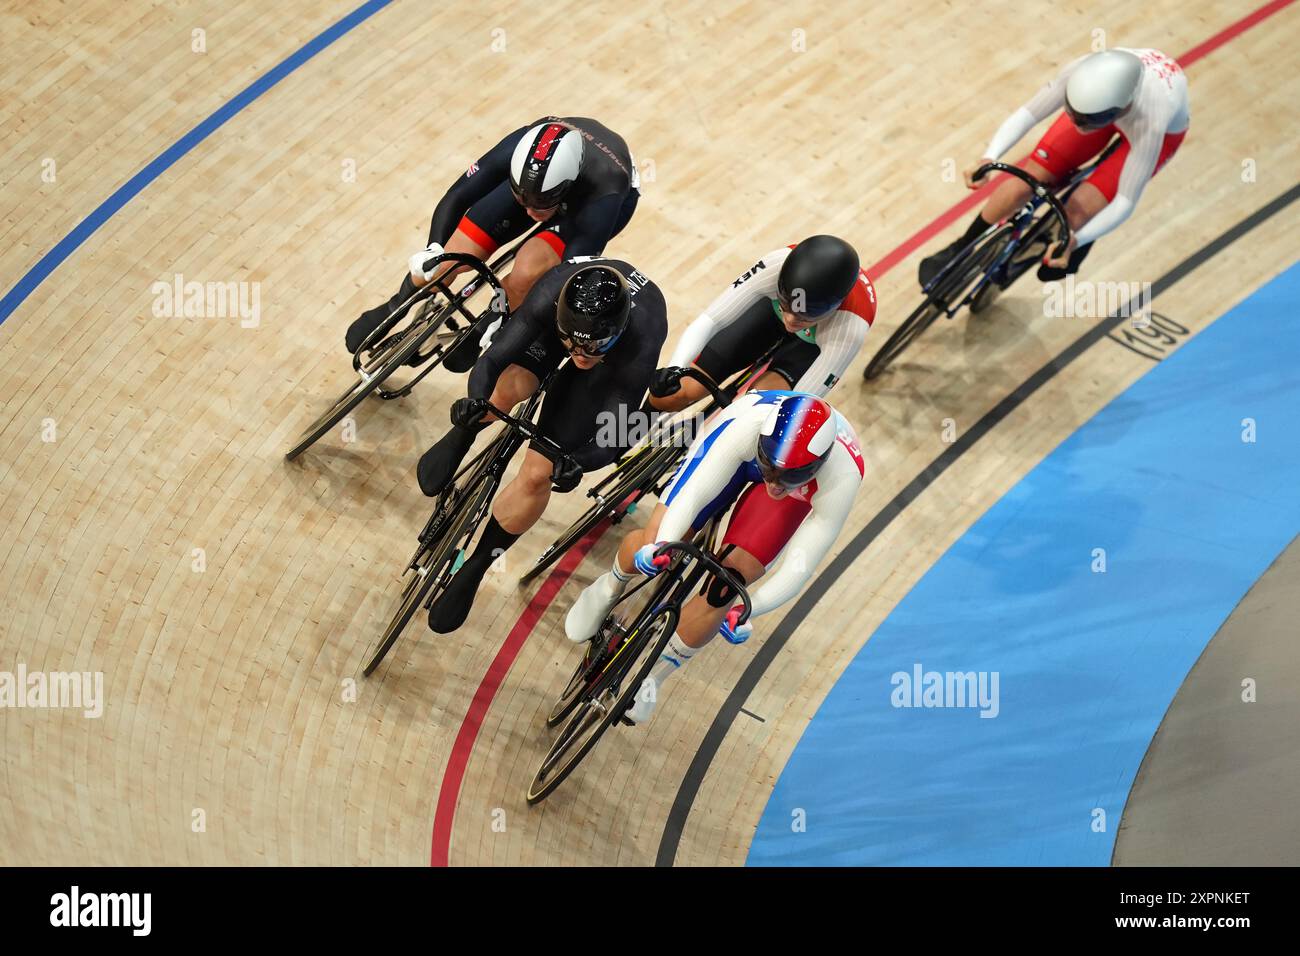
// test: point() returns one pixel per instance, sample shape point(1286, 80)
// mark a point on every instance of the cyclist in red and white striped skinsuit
point(811, 297)
point(1139, 95)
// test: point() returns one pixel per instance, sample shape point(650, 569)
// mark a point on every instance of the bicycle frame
point(1022, 224)
point(487, 274)
point(492, 461)
point(671, 426)
point(600, 691)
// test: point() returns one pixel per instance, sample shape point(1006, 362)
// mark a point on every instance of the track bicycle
point(624, 650)
point(432, 323)
point(646, 468)
point(979, 273)
point(458, 512)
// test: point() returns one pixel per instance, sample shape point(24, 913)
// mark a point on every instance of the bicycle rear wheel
point(605, 702)
point(380, 368)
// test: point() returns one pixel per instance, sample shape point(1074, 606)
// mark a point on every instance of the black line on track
point(695, 773)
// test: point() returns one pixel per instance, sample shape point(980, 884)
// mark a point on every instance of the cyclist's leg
point(703, 614)
point(497, 208)
point(1085, 202)
point(757, 532)
point(1062, 149)
point(700, 619)
point(759, 529)
point(1097, 192)
point(438, 465)
point(594, 602)
point(515, 510)
point(537, 256)
point(490, 223)
point(521, 502)
point(729, 351)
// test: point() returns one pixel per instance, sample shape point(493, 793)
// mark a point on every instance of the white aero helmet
point(544, 165)
point(1102, 88)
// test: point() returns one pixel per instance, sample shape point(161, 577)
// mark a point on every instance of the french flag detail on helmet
point(795, 439)
point(545, 163)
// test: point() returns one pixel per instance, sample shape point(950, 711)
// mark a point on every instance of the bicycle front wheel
point(916, 323)
point(606, 701)
point(624, 495)
point(432, 569)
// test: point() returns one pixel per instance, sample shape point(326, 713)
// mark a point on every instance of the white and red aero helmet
point(544, 165)
point(795, 440)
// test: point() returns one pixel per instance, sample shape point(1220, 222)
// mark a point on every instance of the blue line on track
point(168, 157)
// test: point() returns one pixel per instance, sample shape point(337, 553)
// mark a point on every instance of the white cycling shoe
point(588, 612)
point(643, 705)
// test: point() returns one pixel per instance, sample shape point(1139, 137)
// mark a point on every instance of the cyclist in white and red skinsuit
point(771, 518)
point(1151, 126)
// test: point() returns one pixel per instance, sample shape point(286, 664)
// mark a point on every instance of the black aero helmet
point(592, 310)
point(817, 276)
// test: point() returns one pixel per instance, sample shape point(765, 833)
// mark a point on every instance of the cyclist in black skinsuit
point(610, 322)
point(570, 172)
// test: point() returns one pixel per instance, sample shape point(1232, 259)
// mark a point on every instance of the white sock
point(621, 576)
point(673, 659)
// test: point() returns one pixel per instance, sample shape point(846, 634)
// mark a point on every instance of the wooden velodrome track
point(227, 675)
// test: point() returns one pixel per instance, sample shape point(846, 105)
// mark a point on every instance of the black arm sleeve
point(510, 342)
point(593, 225)
point(534, 317)
point(493, 169)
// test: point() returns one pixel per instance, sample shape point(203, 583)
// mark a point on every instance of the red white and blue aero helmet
point(796, 439)
point(545, 163)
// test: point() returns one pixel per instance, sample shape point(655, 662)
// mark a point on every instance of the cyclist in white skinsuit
point(792, 446)
point(1138, 94)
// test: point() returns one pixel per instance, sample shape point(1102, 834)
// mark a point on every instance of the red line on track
point(454, 775)
point(1228, 33)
